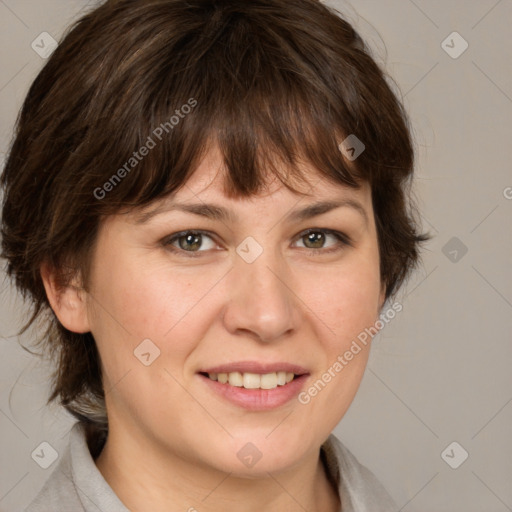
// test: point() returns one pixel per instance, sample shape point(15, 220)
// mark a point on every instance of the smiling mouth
point(249, 380)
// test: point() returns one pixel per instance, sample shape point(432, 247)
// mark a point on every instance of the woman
point(210, 199)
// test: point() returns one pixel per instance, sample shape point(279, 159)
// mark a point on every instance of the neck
point(147, 477)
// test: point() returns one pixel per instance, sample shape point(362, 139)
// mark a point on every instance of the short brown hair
point(270, 82)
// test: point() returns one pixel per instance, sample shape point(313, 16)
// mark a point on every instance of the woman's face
point(253, 293)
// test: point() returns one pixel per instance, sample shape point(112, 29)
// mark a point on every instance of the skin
point(172, 441)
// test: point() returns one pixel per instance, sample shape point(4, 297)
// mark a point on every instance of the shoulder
point(76, 483)
point(359, 488)
point(58, 492)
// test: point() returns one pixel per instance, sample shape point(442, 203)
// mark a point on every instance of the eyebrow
point(216, 212)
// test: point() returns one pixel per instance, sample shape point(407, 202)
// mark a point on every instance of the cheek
point(138, 298)
point(134, 302)
point(348, 308)
point(345, 299)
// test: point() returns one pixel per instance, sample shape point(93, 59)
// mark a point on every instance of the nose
point(261, 299)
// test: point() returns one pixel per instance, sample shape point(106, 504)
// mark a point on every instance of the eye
point(188, 241)
point(191, 241)
point(315, 239)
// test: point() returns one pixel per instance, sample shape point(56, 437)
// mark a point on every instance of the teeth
point(236, 379)
point(253, 380)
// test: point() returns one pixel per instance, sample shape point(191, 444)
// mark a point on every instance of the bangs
point(259, 100)
point(267, 130)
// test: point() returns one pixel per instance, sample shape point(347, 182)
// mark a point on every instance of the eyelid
point(168, 240)
point(342, 238)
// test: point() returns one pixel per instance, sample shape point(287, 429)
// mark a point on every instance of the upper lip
point(256, 367)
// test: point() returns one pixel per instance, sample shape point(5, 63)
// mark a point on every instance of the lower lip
point(257, 399)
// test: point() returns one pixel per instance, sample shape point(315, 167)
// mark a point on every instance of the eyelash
point(342, 238)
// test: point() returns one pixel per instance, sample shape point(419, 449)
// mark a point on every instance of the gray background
point(440, 371)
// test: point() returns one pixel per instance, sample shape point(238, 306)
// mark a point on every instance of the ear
point(68, 303)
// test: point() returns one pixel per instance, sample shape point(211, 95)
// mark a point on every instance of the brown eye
point(315, 240)
point(189, 241)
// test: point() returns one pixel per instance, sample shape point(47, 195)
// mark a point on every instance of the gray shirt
point(76, 485)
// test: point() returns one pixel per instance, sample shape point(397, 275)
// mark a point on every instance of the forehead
point(208, 182)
